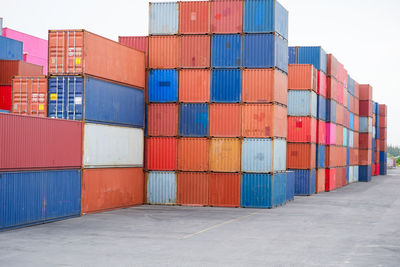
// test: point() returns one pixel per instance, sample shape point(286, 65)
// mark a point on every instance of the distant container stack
point(366, 139)
point(383, 164)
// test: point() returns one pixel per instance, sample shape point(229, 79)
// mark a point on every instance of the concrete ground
point(358, 225)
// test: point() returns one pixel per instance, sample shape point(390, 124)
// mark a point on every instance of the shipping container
point(382, 110)
point(264, 120)
point(6, 97)
point(320, 161)
point(193, 154)
point(194, 51)
point(365, 157)
point(265, 16)
point(341, 177)
point(265, 51)
point(11, 68)
point(77, 52)
point(193, 120)
point(225, 155)
point(340, 93)
point(226, 16)
point(320, 181)
point(321, 108)
point(382, 121)
point(312, 55)
point(330, 179)
point(193, 189)
point(339, 135)
point(224, 190)
point(194, 85)
point(331, 87)
point(163, 86)
point(164, 18)
point(29, 96)
point(225, 120)
point(330, 133)
point(382, 168)
point(264, 86)
point(161, 188)
point(263, 155)
point(302, 77)
point(383, 145)
point(365, 173)
point(322, 84)
point(365, 140)
point(263, 190)
point(140, 43)
point(365, 125)
point(321, 132)
point(302, 103)
point(108, 146)
point(350, 85)
point(331, 68)
point(301, 156)
point(366, 108)
point(164, 52)
point(34, 197)
point(292, 55)
point(304, 182)
point(95, 100)
point(59, 143)
point(161, 153)
point(226, 85)
point(111, 188)
point(162, 119)
point(194, 17)
point(226, 51)
point(290, 183)
point(10, 49)
point(302, 130)
point(365, 92)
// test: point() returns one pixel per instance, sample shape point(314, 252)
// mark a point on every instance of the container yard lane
point(357, 225)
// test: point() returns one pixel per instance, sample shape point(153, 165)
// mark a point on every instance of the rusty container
point(301, 156)
point(225, 120)
point(225, 155)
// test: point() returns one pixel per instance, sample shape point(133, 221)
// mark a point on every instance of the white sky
point(363, 34)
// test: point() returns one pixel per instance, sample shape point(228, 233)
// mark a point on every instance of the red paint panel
point(194, 85)
point(5, 97)
point(366, 107)
point(193, 154)
point(322, 84)
point(224, 190)
point(194, 51)
point(162, 119)
point(302, 129)
point(301, 156)
point(225, 120)
point(321, 132)
point(365, 140)
point(194, 17)
point(383, 110)
point(226, 16)
point(340, 93)
point(382, 120)
point(365, 92)
point(341, 177)
point(161, 153)
point(330, 179)
point(29, 143)
point(302, 77)
point(11, 68)
point(193, 188)
point(365, 157)
point(382, 133)
point(331, 86)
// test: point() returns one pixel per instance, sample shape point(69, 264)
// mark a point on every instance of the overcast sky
point(362, 34)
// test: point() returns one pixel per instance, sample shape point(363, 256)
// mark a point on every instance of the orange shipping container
point(353, 156)
point(193, 188)
point(331, 88)
point(224, 190)
point(162, 120)
point(11, 68)
point(302, 129)
point(383, 145)
point(163, 52)
point(301, 156)
point(339, 135)
point(365, 156)
point(264, 120)
point(225, 154)
point(111, 188)
point(225, 120)
point(320, 181)
point(331, 65)
point(76, 52)
point(383, 121)
point(264, 86)
point(302, 77)
point(195, 51)
point(29, 96)
point(194, 86)
point(194, 17)
point(356, 123)
point(356, 141)
point(335, 156)
point(193, 154)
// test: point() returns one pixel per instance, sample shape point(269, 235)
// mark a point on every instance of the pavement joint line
point(220, 224)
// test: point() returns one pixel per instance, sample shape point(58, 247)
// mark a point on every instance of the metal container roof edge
point(42, 118)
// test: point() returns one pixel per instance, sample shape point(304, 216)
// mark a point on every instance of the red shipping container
point(140, 43)
point(365, 156)
point(194, 85)
point(321, 82)
point(356, 141)
point(302, 129)
point(356, 89)
point(365, 92)
point(321, 132)
point(29, 143)
point(366, 108)
point(357, 107)
point(383, 110)
point(382, 120)
point(331, 65)
point(30, 96)
point(11, 68)
point(383, 145)
point(193, 154)
point(194, 51)
point(339, 135)
point(164, 52)
point(382, 133)
point(345, 98)
point(331, 88)
point(340, 93)
point(340, 72)
point(353, 160)
point(376, 169)
point(302, 77)
point(365, 140)
point(301, 156)
point(341, 179)
point(193, 188)
point(5, 97)
point(330, 179)
point(225, 120)
point(161, 153)
point(224, 190)
point(226, 16)
point(194, 17)
point(335, 156)
point(162, 120)
point(77, 52)
point(320, 181)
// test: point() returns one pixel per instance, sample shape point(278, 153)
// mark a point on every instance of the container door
point(20, 95)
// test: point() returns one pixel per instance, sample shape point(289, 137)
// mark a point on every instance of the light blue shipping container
point(345, 136)
point(365, 125)
point(265, 16)
point(279, 154)
point(226, 85)
point(350, 174)
point(302, 103)
point(330, 110)
point(350, 85)
point(292, 55)
point(351, 139)
point(312, 55)
point(304, 182)
point(355, 173)
point(226, 51)
point(193, 120)
point(164, 18)
point(161, 188)
point(10, 49)
point(163, 86)
point(321, 109)
point(34, 197)
point(265, 51)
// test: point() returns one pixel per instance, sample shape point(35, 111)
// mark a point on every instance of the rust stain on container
point(301, 156)
point(225, 154)
point(302, 77)
point(163, 52)
point(225, 120)
point(162, 119)
point(194, 86)
point(224, 190)
point(29, 96)
point(193, 154)
point(193, 188)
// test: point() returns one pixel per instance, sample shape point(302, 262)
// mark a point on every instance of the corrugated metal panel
point(226, 51)
point(351, 121)
point(162, 119)
point(351, 139)
point(39, 143)
point(265, 16)
point(320, 181)
point(10, 49)
point(140, 43)
point(330, 111)
point(193, 120)
point(36, 197)
point(161, 153)
point(330, 179)
point(194, 51)
point(320, 156)
point(302, 103)
point(302, 77)
point(161, 188)
point(304, 182)
point(365, 92)
point(5, 98)
point(164, 18)
point(321, 108)
point(226, 85)
point(225, 120)
point(312, 55)
point(194, 86)
point(345, 137)
point(365, 125)
point(11, 68)
point(257, 155)
point(322, 85)
point(194, 17)
point(331, 63)
point(163, 52)
point(292, 55)
point(163, 86)
point(302, 129)
point(224, 190)
point(330, 133)
point(193, 188)
point(225, 154)
point(355, 173)
point(111, 188)
point(365, 173)
point(226, 16)
point(193, 154)
point(30, 96)
point(265, 51)
point(290, 184)
point(321, 137)
point(106, 146)
point(279, 154)
point(301, 155)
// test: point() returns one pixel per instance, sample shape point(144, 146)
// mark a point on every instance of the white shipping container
point(112, 146)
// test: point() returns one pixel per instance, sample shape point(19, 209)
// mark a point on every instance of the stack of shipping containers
point(383, 139)
point(366, 150)
point(375, 139)
point(100, 82)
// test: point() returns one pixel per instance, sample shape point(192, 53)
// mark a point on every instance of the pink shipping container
point(330, 133)
point(339, 95)
point(29, 143)
point(35, 49)
point(226, 16)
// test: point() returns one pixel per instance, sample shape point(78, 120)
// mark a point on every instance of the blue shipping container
point(382, 168)
point(161, 188)
point(320, 156)
point(10, 49)
point(365, 125)
point(321, 108)
point(382, 157)
point(34, 197)
point(330, 110)
point(290, 183)
point(348, 174)
point(193, 120)
point(226, 85)
point(163, 86)
point(348, 157)
point(226, 51)
point(312, 55)
point(350, 85)
point(364, 173)
point(351, 121)
point(302, 103)
point(263, 190)
point(304, 182)
point(104, 102)
point(265, 16)
point(265, 51)
point(164, 18)
point(292, 55)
